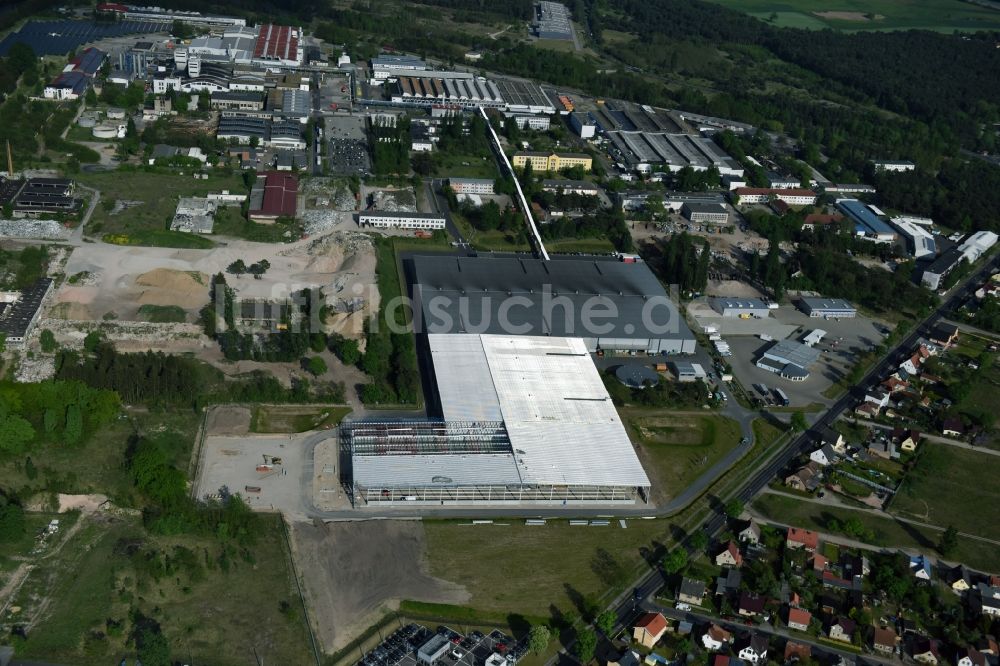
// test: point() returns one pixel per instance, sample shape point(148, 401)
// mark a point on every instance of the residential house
point(824, 455)
point(912, 365)
point(752, 648)
point(729, 584)
point(715, 638)
point(818, 562)
point(894, 384)
point(877, 397)
point(882, 448)
point(944, 335)
point(831, 579)
point(854, 565)
point(866, 410)
point(799, 619)
point(970, 657)
point(952, 427)
point(925, 651)
point(906, 440)
point(796, 651)
point(884, 640)
point(805, 478)
point(920, 567)
point(842, 629)
point(691, 591)
point(729, 556)
point(726, 660)
point(751, 605)
point(649, 629)
point(986, 600)
point(800, 538)
point(750, 534)
point(959, 578)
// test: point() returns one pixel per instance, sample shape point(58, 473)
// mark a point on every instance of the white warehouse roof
point(562, 424)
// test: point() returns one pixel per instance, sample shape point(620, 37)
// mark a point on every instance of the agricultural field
point(851, 15)
point(136, 208)
point(113, 576)
point(675, 449)
point(952, 486)
point(885, 532)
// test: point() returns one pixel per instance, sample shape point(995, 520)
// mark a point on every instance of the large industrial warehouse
point(611, 305)
point(525, 420)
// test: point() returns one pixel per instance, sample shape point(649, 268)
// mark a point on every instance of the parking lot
point(844, 342)
point(270, 472)
point(347, 144)
point(400, 648)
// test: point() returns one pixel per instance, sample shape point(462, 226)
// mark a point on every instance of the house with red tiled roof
point(799, 538)
point(729, 556)
point(884, 640)
point(649, 629)
point(799, 619)
point(813, 220)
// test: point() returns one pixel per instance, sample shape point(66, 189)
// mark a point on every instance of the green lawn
point(586, 245)
point(943, 15)
point(497, 240)
point(160, 238)
point(887, 533)
point(952, 486)
point(567, 564)
point(93, 584)
point(678, 449)
point(146, 224)
point(451, 165)
point(15, 551)
point(295, 418)
point(162, 314)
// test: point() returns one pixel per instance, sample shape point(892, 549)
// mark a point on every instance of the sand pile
point(164, 286)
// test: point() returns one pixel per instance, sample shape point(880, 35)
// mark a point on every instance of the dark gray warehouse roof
point(456, 295)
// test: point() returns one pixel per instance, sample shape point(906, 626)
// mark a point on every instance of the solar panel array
point(61, 37)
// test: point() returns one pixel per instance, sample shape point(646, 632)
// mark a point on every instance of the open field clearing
point(941, 15)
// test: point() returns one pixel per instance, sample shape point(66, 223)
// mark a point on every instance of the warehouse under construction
point(524, 420)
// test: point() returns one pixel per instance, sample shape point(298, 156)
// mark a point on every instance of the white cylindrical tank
point(106, 132)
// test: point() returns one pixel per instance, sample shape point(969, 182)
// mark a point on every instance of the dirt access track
point(354, 572)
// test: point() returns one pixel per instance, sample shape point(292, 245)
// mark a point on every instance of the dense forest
point(962, 195)
point(66, 412)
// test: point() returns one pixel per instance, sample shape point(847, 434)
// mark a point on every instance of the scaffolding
point(375, 438)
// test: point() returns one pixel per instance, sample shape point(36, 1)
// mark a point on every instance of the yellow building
point(553, 161)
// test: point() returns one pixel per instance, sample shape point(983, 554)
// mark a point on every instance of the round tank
point(106, 132)
point(86, 121)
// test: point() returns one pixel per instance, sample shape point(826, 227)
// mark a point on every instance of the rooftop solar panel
point(61, 37)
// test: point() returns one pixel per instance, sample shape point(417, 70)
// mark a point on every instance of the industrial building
point(583, 124)
point(791, 196)
point(385, 65)
point(238, 100)
point(76, 77)
point(744, 308)
point(552, 161)
point(580, 187)
point(531, 122)
point(939, 268)
point(381, 219)
point(672, 201)
point(642, 150)
point(194, 215)
point(867, 224)
point(848, 188)
point(610, 304)
point(705, 213)
point(19, 312)
point(893, 165)
point(160, 15)
point(920, 243)
point(828, 308)
point(789, 359)
point(552, 21)
point(524, 420)
point(977, 244)
point(274, 195)
point(636, 375)
point(687, 372)
point(471, 185)
point(36, 196)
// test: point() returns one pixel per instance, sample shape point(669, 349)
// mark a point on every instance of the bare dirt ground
point(119, 280)
point(228, 420)
point(356, 571)
point(732, 289)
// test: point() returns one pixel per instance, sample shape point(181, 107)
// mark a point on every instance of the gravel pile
point(34, 229)
point(320, 221)
point(37, 369)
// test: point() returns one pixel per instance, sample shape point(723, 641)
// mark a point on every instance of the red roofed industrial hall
point(274, 195)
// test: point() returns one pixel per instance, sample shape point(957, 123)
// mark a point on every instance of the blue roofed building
point(866, 223)
point(76, 77)
point(89, 61)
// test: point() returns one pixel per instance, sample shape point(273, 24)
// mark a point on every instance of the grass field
point(586, 245)
point(13, 551)
point(678, 449)
point(887, 533)
point(96, 467)
point(160, 238)
point(952, 486)
point(162, 314)
point(93, 586)
point(295, 418)
point(570, 566)
point(229, 222)
point(146, 224)
point(943, 15)
point(488, 240)
point(465, 166)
